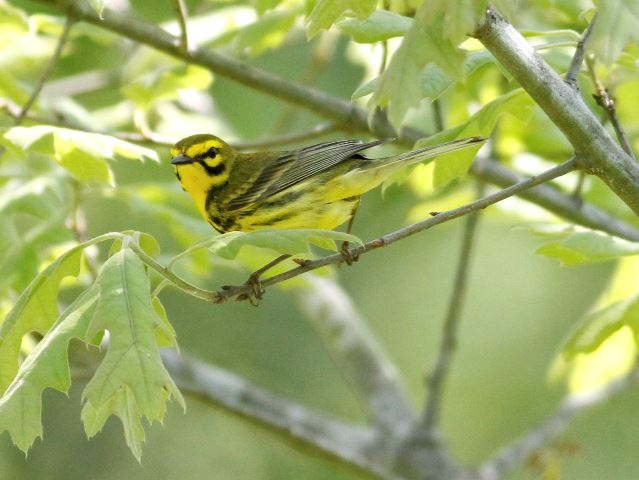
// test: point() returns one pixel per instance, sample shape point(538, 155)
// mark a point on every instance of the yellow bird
point(312, 187)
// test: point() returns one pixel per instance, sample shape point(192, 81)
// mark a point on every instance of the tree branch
point(361, 360)
point(392, 237)
point(435, 385)
point(510, 457)
point(342, 111)
point(550, 198)
point(602, 156)
point(335, 438)
point(47, 70)
point(290, 138)
point(308, 97)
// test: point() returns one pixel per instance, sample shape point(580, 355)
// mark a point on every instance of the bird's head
point(202, 161)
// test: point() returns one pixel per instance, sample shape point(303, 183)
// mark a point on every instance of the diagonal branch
point(553, 200)
point(402, 233)
point(602, 156)
point(361, 360)
point(337, 439)
point(341, 111)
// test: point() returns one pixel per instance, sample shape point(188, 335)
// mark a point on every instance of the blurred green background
point(519, 310)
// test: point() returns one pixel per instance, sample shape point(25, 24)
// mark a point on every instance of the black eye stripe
point(213, 171)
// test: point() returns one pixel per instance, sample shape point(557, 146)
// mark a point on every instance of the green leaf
point(380, 26)
point(433, 81)
point(45, 367)
point(597, 326)
point(290, 242)
point(426, 41)
point(19, 263)
point(617, 24)
point(40, 197)
point(516, 103)
point(165, 84)
point(98, 6)
point(265, 33)
point(131, 382)
point(35, 311)
point(326, 12)
point(587, 247)
point(261, 6)
point(83, 154)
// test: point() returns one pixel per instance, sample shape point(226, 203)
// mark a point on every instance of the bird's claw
point(349, 258)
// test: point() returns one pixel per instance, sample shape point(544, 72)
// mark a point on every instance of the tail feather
point(421, 154)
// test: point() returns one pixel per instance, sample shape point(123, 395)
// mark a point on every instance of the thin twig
point(362, 361)
point(436, 381)
point(553, 200)
point(607, 102)
point(340, 440)
point(578, 57)
point(392, 237)
point(181, 12)
point(511, 456)
point(47, 70)
point(290, 138)
point(601, 154)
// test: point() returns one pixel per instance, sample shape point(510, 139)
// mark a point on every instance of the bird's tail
point(421, 154)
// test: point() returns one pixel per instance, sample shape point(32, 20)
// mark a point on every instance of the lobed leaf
point(433, 81)
point(325, 12)
point(598, 326)
point(83, 154)
point(131, 381)
point(588, 246)
point(289, 242)
point(381, 25)
point(617, 24)
point(266, 32)
point(35, 311)
point(515, 103)
point(166, 84)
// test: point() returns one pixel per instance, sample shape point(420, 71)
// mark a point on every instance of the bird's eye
point(212, 153)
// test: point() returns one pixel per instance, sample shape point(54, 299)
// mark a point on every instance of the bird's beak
point(181, 160)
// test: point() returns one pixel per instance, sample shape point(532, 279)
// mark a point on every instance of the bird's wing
point(296, 166)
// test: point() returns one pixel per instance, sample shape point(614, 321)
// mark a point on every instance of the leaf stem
point(607, 102)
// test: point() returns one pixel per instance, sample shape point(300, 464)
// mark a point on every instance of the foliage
point(75, 187)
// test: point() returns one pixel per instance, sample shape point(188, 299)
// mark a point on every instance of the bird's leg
point(345, 250)
point(254, 278)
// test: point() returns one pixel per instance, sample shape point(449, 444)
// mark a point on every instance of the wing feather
point(296, 166)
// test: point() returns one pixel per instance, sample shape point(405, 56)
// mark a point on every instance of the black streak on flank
point(285, 199)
